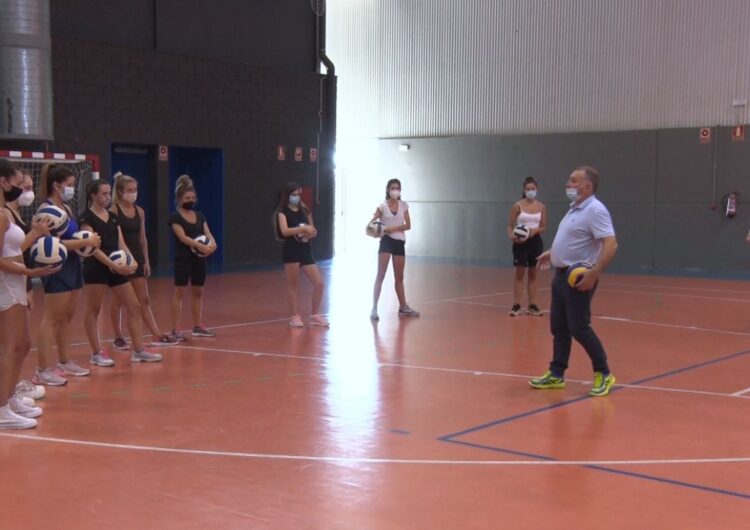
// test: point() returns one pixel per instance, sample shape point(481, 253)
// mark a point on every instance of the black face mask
point(14, 193)
point(188, 205)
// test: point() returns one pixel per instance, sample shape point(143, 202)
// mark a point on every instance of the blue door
point(206, 168)
point(139, 161)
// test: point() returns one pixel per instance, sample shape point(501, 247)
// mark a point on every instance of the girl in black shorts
point(132, 221)
point(294, 225)
point(531, 213)
point(189, 266)
point(101, 273)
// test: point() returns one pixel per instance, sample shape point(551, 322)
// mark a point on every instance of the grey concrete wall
point(657, 185)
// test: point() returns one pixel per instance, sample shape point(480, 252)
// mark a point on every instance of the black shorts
point(296, 252)
point(139, 272)
point(190, 270)
point(68, 278)
point(97, 273)
point(526, 253)
point(388, 245)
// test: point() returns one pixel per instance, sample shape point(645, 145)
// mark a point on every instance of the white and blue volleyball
point(48, 251)
point(121, 258)
point(56, 217)
point(83, 235)
point(203, 240)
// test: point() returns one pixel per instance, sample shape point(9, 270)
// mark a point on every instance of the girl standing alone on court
point(294, 224)
point(132, 221)
point(394, 214)
point(190, 257)
point(532, 214)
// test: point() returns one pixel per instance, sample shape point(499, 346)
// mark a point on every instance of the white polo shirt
point(580, 233)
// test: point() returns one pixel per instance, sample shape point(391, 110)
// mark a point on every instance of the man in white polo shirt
point(585, 234)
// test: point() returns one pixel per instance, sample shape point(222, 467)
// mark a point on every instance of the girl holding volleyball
point(394, 214)
point(101, 272)
point(190, 257)
point(294, 225)
point(132, 221)
point(532, 214)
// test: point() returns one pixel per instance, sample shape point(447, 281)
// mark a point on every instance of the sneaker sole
point(142, 360)
point(47, 383)
point(18, 426)
point(102, 365)
point(163, 344)
point(122, 348)
point(555, 386)
point(203, 335)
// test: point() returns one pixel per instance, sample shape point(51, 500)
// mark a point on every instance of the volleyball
point(83, 235)
point(121, 258)
point(521, 233)
point(203, 240)
point(375, 229)
point(48, 251)
point(54, 215)
point(575, 272)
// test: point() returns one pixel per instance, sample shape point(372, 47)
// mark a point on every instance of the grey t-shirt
point(580, 233)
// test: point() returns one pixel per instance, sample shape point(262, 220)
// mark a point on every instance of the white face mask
point(531, 194)
point(394, 194)
point(69, 192)
point(130, 197)
point(572, 194)
point(26, 198)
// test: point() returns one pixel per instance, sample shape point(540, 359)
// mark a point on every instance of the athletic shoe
point(296, 322)
point(202, 331)
point(319, 320)
point(547, 381)
point(515, 310)
point(374, 315)
point(164, 340)
point(178, 335)
point(26, 401)
point(48, 377)
point(534, 310)
point(120, 344)
point(144, 356)
point(18, 407)
point(602, 384)
point(407, 311)
point(28, 389)
point(101, 358)
point(11, 420)
point(71, 368)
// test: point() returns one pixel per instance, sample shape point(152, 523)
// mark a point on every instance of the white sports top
point(389, 219)
point(12, 286)
point(531, 220)
point(14, 237)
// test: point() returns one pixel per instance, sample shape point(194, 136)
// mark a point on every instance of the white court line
point(678, 295)
point(648, 286)
point(462, 371)
point(742, 393)
point(499, 293)
point(366, 460)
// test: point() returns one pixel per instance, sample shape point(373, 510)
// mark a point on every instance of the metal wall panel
point(415, 68)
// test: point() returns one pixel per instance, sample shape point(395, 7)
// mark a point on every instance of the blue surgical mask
point(531, 194)
point(294, 200)
point(572, 194)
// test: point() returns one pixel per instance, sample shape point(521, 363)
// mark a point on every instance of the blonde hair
point(183, 185)
point(120, 181)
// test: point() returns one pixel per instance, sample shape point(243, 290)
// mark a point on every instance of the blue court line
point(450, 438)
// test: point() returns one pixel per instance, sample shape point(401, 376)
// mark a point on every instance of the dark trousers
point(570, 318)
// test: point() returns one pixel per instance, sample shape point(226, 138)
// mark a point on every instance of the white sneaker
point(19, 408)
point(407, 311)
point(28, 389)
point(48, 377)
point(71, 368)
point(11, 420)
point(101, 358)
point(26, 401)
point(144, 356)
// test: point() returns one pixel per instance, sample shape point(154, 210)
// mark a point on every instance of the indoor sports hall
point(406, 213)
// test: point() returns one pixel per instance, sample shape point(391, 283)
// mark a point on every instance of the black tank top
point(131, 232)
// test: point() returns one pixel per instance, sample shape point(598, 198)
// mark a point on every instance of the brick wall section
point(106, 94)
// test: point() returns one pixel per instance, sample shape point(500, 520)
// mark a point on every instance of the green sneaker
point(547, 381)
point(601, 384)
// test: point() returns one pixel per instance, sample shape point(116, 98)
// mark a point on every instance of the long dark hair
point(388, 187)
point(528, 180)
point(286, 191)
point(92, 188)
point(53, 174)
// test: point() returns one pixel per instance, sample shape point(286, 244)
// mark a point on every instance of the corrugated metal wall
point(446, 67)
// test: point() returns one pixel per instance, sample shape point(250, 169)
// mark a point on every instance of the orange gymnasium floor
point(402, 424)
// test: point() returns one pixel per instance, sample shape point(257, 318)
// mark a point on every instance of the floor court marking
point(742, 393)
point(366, 460)
point(646, 285)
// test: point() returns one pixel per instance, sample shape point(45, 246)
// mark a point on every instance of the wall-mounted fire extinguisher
point(731, 204)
